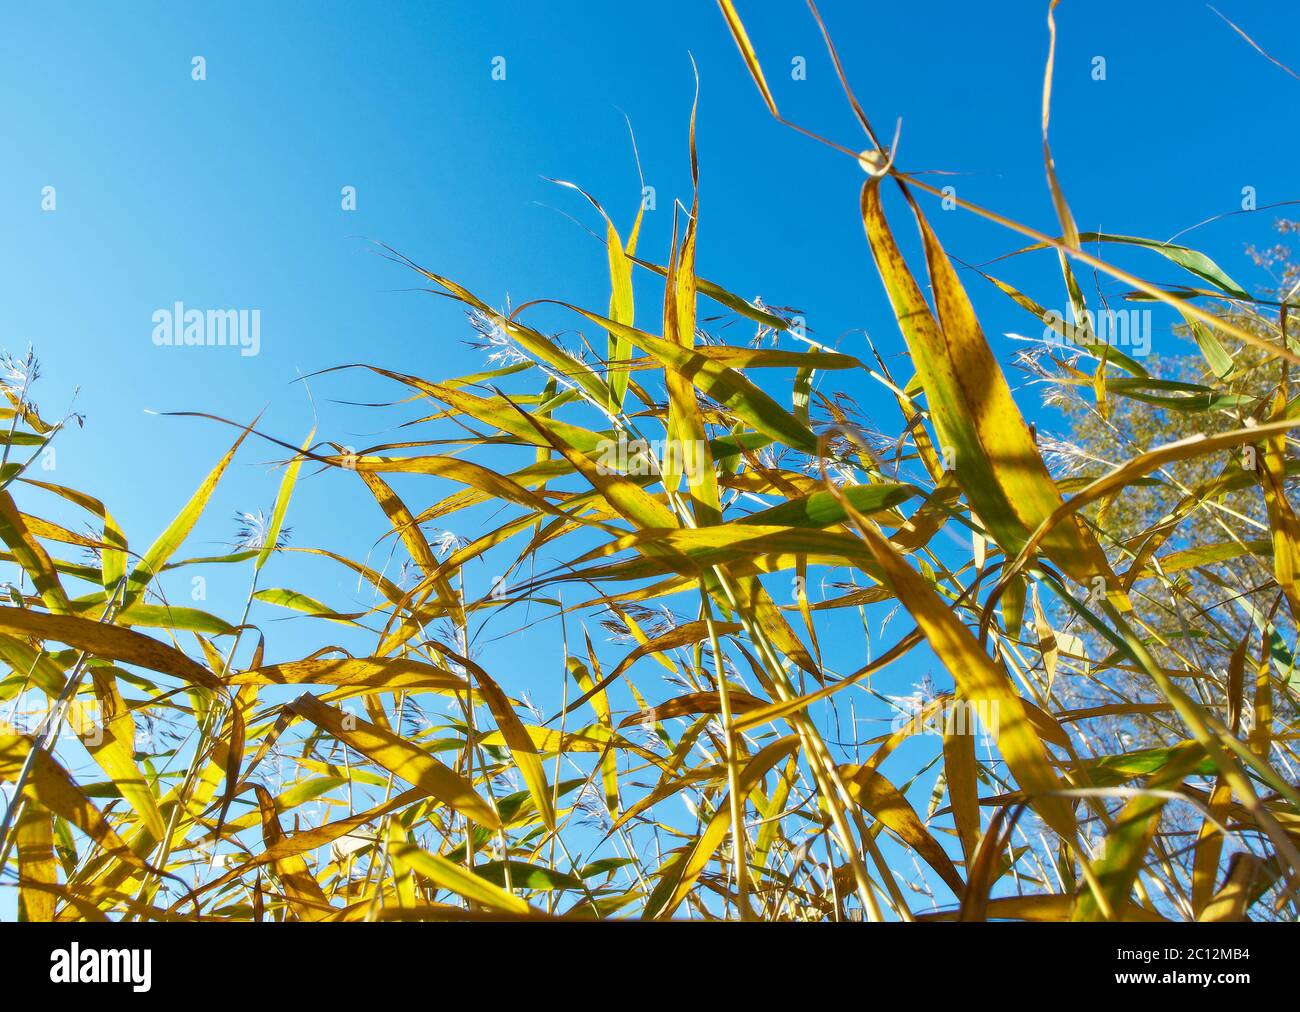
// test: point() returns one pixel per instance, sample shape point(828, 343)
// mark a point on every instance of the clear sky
point(226, 193)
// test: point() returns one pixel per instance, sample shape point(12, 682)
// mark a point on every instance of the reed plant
point(708, 520)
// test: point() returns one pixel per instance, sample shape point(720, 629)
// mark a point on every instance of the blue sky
point(226, 193)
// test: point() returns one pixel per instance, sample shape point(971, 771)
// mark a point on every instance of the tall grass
point(698, 769)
